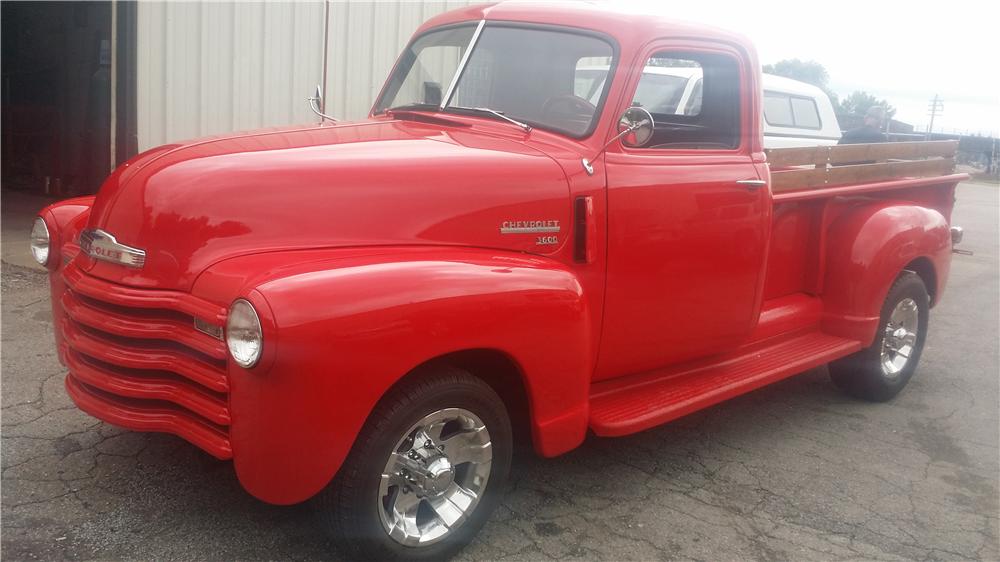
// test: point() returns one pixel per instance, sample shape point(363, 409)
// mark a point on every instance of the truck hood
point(371, 183)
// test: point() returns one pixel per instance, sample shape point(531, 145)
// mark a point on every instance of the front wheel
point(425, 473)
point(879, 372)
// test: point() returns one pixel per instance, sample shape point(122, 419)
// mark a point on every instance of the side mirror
point(636, 127)
point(316, 104)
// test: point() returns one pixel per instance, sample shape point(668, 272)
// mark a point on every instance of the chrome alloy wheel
point(435, 477)
point(900, 337)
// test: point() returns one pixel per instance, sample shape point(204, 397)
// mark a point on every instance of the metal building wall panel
point(150, 91)
point(248, 55)
point(217, 39)
point(206, 68)
point(182, 108)
point(335, 90)
point(365, 39)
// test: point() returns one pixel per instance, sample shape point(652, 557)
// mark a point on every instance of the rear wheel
point(425, 473)
point(879, 372)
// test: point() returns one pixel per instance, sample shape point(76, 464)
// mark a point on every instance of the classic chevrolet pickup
point(376, 313)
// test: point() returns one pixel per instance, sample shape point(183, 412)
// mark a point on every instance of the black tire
point(862, 375)
point(348, 507)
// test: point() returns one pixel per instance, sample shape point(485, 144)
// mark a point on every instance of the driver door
point(687, 232)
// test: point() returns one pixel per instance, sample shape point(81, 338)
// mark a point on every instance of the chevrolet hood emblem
point(102, 246)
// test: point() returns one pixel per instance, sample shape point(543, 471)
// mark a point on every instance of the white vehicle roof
point(780, 83)
point(682, 71)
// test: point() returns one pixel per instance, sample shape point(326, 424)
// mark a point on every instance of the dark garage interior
point(57, 96)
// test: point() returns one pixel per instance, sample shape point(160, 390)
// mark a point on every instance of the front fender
point(65, 219)
point(344, 330)
point(868, 247)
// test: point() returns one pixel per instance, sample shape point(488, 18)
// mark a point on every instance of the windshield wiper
point(411, 106)
point(524, 126)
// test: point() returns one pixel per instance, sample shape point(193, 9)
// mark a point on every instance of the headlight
point(243, 335)
point(40, 241)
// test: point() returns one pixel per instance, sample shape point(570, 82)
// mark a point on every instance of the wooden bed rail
point(814, 167)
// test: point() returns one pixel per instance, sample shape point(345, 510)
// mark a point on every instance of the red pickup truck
point(376, 313)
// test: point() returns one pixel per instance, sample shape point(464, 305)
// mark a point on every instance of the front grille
point(136, 360)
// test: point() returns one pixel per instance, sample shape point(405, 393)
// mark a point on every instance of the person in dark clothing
point(870, 132)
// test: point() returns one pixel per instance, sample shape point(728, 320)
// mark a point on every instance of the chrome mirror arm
point(314, 102)
point(588, 162)
point(636, 118)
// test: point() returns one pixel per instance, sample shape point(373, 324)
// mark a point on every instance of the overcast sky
point(902, 51)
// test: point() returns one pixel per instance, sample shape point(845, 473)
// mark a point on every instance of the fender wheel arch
point(924, 268)
point(497, 369)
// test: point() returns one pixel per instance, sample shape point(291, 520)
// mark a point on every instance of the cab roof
point(628, 27)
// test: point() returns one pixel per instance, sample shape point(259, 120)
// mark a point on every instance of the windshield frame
point(480, 26)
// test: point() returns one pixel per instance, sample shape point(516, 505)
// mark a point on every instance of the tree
point(850, 111)
point(810, 72)
point(854, 107)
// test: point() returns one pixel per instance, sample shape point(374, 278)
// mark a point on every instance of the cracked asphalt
point(795, 471)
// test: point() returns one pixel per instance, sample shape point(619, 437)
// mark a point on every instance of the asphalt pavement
point(795, 471)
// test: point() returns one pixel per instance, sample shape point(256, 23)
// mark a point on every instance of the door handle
point(752, 185)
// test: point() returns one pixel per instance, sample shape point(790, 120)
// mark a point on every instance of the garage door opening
point(59, 102)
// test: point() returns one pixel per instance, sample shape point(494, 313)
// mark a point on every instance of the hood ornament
point(102, 245)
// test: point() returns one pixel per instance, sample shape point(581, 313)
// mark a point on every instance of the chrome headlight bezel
point(244, 334)
point(41, 242)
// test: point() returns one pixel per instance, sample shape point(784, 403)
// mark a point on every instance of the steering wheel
point(569, 108)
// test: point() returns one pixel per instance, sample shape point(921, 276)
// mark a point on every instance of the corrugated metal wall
point(365, 39)
point(212, 67)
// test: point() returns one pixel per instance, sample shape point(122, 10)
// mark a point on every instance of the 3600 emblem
point(547, 240)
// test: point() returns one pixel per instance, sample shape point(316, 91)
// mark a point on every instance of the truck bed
point(854, 166)
point(812, 187)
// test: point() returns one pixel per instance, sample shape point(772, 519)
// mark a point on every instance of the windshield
point(529, 74)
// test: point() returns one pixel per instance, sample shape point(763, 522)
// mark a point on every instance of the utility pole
point(936, 107)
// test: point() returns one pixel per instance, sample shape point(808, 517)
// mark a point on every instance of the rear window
point(778, 110)
point(785, 110)
point(805, 113)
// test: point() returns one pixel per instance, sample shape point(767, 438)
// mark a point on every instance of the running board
point(631, 404)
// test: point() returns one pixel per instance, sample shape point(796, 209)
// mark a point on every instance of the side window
point(786, 110)
point(694, 98)
point(663, 83)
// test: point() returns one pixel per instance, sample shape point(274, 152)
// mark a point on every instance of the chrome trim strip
point(527, 229)
point(461, 65)
point(798, 136)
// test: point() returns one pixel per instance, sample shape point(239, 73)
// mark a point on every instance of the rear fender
point(340, 332)
point(868, 247)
